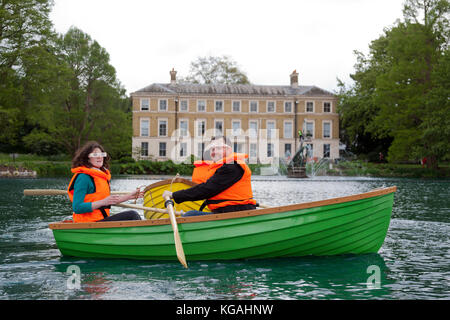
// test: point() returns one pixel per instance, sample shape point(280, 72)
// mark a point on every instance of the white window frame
point(274, 106)
point(181, 148)
point(313, 128)
point(187, 127)
point(313, 106)
point(323, 107)
point(140, 127)
point(197, 123)
point(198, 105)
point(187, 105)
point(271, 135)
point(215, 105)
point(141, 103)
point(250, 154)
point(292, 106)
point(310, 151)
point(223, 127)
point(291, 134)
point(159, 128)
point(323, 129)
point(142, 148)
point(250, 106)
point(232, 105)
point(250, 134)
point(290, 144)
point(239, 130)
point(159, 148)
point(323, 150)
point(159, 105)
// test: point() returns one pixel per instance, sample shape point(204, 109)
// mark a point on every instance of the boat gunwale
point(222, 216)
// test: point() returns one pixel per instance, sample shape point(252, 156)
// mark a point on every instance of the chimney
point(294, 79)
point(173, 76)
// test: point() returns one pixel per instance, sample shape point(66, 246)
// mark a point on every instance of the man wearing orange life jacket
point(227, 182)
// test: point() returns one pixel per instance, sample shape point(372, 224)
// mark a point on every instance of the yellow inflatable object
point(153, 197)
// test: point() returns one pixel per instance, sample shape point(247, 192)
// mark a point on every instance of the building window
point(144, 149)
point(310, 150)
point(218, 126)
point(287, 150)
point(270, 106)
point(309, 106)
point(327, 107)
point(326, 129)
point(183, 128)
point(200, 150)
point(236, 106)
point(162, 128)
point(253, 106)
point(253, 150)
point(237, 147)
point(162, 149)
point(163, 105)
point(270, 129)
point(145, 104)
point(201, 127)
point(270, 150)
point(287, 106)
point(201, 105)
point(253, 129)
point(326, 150)
point(183, 149)
point(184, 105)
point(288, 129)
point(145, 127)
point(236, 126)
point(310, 129)
point(218, 106)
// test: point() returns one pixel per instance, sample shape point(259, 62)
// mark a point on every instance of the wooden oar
point(138, 207)
point(56, 192)
point(176, 235)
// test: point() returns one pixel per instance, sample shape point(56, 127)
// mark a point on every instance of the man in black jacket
point(223, 178)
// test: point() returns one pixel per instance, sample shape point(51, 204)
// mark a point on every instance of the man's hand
point(167, 194)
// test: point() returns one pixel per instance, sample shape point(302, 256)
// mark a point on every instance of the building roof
point(234, 89)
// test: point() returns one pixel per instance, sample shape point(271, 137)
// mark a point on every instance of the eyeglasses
point(97, 154)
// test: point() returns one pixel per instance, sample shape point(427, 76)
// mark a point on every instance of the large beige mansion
point(175, 120)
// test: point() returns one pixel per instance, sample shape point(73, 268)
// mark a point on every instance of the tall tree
point(216, 70)
point(395, 81)
point(24, 26)
point(89, 103)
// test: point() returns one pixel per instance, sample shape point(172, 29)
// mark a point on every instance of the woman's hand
point(110, 200)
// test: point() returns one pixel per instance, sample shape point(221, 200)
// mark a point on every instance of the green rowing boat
point(354, 224)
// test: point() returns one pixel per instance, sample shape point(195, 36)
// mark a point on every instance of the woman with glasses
point(89, 188)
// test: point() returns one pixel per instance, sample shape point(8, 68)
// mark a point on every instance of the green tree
point(24, 27)
point(88, 101)
point(215, 70)
point(394, 86)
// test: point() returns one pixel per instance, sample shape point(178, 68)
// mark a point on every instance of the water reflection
point(288, 278)
point(414, 260)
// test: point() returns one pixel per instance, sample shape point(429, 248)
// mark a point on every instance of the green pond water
point(413, 263)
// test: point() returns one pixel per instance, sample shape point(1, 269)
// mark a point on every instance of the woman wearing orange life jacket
point(89, 188)
point(227, 183)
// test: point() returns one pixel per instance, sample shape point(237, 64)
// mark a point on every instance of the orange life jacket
point(102, 190)
point(199, 175)
point(239, 193)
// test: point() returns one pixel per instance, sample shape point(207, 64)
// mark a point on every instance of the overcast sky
point(268, 39)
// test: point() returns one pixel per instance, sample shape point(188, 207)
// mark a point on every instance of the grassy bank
point(59, 166)
point(387, 170)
